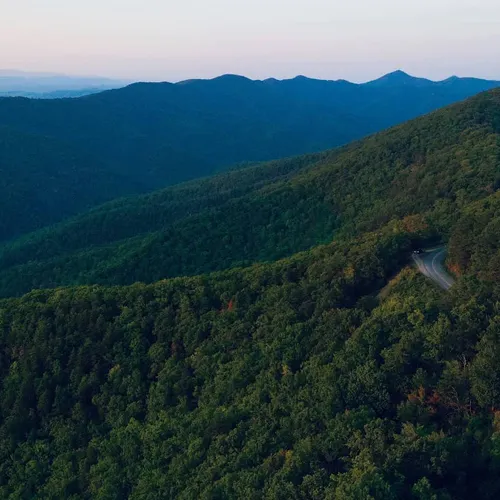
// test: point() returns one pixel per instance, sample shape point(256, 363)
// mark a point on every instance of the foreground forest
point(296, 379)
point(336, 372)
point(147, 136)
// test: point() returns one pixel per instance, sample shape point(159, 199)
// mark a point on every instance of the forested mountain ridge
point(338, 372)
point(434, 165)
point(152, 135)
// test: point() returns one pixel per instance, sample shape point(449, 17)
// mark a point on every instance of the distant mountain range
point(150, 135)
point(56, 94)
point(52, 85)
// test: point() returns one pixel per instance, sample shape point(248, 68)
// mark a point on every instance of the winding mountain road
point(431, 264)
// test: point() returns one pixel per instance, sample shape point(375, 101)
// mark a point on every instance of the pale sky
point(174, 40)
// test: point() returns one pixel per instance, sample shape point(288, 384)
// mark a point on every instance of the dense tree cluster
point(475, 240)
point(284, 380)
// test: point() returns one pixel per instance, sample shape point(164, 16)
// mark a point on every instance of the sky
point(166, 40)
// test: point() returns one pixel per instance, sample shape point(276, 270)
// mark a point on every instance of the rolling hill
point(147, 136)
point(434, 166)
point(42, 179)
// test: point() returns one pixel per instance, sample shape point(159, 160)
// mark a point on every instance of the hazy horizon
point(155, 40)
point(42, 75)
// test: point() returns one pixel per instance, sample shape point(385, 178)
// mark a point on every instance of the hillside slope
point(434, 165)
point(475, 240)
point(283, 380)
point(42, 180)
point(152, 135)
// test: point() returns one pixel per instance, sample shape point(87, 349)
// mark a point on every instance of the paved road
point(431, 264)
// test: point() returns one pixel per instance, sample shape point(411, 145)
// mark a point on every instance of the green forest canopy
point(336, 372)
point(282, 380)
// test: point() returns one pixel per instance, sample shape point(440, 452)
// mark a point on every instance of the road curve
point(431, 264)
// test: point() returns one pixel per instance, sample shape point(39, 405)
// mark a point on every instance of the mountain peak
point(397, 78)
point(231, 78)
point(399, 75)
